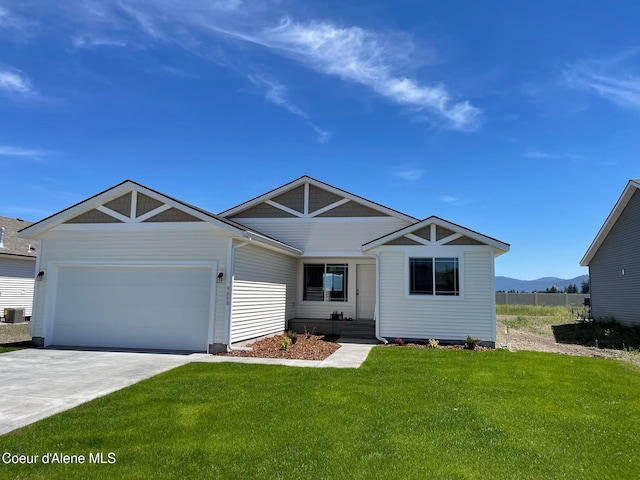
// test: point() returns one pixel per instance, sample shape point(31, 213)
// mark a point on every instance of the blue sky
point(517, 119)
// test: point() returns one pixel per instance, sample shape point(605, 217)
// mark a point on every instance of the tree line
point(572, 288)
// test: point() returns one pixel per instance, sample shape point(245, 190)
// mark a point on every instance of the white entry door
point(365, 291)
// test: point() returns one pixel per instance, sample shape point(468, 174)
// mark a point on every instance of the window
point(434, 276)
point(325, 282)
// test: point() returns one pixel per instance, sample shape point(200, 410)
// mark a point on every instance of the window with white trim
point(325, 282)
point(434, 276)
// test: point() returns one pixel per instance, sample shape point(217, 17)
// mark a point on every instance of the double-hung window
point(434, 276)
point(325, 282)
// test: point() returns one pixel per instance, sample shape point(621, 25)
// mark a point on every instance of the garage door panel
point(133, 307)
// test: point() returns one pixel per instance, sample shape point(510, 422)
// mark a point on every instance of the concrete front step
point(360, 328)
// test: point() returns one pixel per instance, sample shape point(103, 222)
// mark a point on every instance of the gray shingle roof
point(12, 244)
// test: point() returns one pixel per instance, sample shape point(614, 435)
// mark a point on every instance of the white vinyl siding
point(264, 292)
point(17, 283)
point(133, 244)
point(258, 309)
point(325, 236)
point(440, 317)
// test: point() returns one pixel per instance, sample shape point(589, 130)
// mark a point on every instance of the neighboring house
point(131, 267)
point(614, 261)
point(17, 266)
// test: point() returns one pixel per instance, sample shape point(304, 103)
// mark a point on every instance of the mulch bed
point(307, 347)
point(439, 347)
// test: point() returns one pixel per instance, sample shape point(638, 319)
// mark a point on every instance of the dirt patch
point(307, 347)
point(522, 340)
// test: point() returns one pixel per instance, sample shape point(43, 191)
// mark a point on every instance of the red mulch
point(307, 347)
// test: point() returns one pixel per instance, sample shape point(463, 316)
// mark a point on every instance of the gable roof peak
point(306, 179)
point(612, 218)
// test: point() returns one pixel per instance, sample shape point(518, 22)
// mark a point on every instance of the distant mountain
point(541, 284)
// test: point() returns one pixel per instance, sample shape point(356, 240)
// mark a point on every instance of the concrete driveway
point(36, 383)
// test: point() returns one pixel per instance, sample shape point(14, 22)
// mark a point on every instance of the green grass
point(406, 413)
point(15, 346)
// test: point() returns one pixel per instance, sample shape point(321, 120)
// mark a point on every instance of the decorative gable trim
point(94, 216)
point(157, 208)
point(265, 210)
point(435, 231)
point(122, 204)
point(293, 199)
point(307, 197)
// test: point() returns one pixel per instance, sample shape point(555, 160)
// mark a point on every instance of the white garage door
point(162, 307)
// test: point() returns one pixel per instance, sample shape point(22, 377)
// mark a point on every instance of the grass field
point(406, 413)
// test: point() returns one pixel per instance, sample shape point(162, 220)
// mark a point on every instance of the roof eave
point(38, 229)
point(610, 221)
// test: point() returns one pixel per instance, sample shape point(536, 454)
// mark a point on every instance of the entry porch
point(363, 328)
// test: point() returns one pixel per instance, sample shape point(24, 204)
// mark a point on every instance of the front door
point(365, 291)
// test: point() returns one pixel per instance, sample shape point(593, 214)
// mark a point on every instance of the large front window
point(325, 282)
point(434, 276)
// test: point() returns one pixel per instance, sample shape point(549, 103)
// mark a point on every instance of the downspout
point(230, 277)
point(376, 311)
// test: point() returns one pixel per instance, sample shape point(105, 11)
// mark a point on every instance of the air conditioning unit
point(14, 315)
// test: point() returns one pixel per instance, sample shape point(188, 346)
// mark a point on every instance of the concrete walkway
point(351, 354)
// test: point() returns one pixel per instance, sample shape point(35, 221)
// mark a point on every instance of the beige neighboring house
point(134, 268)
point(17, 266)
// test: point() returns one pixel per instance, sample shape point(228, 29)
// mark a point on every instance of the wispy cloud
point(89, 41)
point(367, 58)
point(15, 25)
point(15, 83)
point(537, 154)
point(453, 201)
point(410, 174)
point(277, 93)
point(382, 62)
point(541, 155)
point(34, 153)
point(616, 79)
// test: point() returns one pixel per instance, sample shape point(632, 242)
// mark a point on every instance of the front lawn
point(406, 413)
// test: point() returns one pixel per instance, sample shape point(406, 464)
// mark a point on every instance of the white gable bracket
point(134, 203)
point(113, 213)
point(283, 208)
point(329, 207)
point(418, 239)
point(153, 213)
point(450, 238)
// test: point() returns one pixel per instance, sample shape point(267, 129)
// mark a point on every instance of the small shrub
point(308, 333)
point(433, 343)
point(284, 343)
point(293, 336)
point(471, 343)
